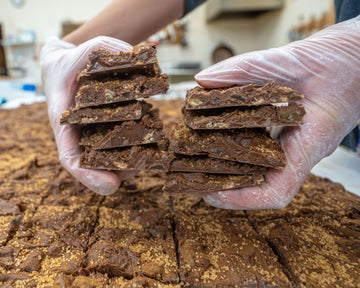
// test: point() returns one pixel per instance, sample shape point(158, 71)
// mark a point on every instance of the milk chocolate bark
point(244, 95)
point(206, 183)
point(112, 91)
point(301, 242)
point(140, 60)
point(128, 133)
point(249, 117)
point(253, 146)
point(132, 158)
point(205, 164)
point(114, 113)
point(49, 221)
point(240, 257)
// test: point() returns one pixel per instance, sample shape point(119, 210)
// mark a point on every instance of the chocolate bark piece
point(240, 95)
point(112, 113)
point(314, 250)
point(249, 117)
point(136, 237)
point(128, 133)
point(253, 146)
point(240, 257)
point(140, 60)
point(206, 183)
point(204, 164)
point(97, 93)
point(129, 158)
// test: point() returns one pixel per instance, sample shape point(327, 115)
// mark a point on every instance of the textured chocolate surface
point(129, 133)
point(245, 95)
point(213, 165)
point(113, 113)
point(206, 183)
point(113, 91)
point(332, 244)
point(219, 248)
point(49, 224)
point(249, 117)
point(244, 145)
point(141, 59)
point(130, 158)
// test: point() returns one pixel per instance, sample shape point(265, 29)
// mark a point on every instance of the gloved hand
point(325, 68)
point(60, 63)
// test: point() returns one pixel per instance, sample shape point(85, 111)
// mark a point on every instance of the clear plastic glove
point(325, 68)
point(60, 63)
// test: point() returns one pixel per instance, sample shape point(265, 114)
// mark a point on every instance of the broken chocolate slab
point(140, 60)
point(206, 183)
point(129, 158)
point(240, 95)
point(240, 258)
point(249, 117)
point(205, 164)
point(97, 93)
point(300, 242)
point(252, 146)
point(113, 113)
point(128, 133)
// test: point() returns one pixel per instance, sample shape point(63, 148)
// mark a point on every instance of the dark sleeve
point(346, 9)
point(191, 5)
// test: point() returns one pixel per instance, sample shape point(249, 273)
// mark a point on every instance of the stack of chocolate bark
point(223, 142)
point(119, 131)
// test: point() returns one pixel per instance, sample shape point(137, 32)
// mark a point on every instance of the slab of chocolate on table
point(120, 130)
point(223, 142)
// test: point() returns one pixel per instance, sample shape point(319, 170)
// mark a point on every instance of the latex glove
point(326, 69)
point(60, 63)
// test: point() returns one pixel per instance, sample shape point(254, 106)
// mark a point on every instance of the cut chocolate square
point(130, 158)
point(128, 133)
point(219, 248)
point(113, 113)
point(204, 164)
point(253, 146)
point(206, 183)
point(97, 93)
point(240, 95)
point(315, 250)
point(140, 60)
point(248, 117)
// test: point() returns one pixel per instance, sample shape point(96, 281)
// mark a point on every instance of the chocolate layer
point(140, 60)
point(240, 257)
point(129, 133)
point(206, 183)
point(112, 91)
point(113, 113)
point(249, 117)
point(253, 146)
point(313, 242)
point(205, 164)
point(131, 158)
point(240, 95)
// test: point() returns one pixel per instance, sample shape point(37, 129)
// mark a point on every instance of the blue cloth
point(191, 5)
point(345, 10)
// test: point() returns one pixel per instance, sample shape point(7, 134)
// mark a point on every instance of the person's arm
point(129, 20)
point(325, 68)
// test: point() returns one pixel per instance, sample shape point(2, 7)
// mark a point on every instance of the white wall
point(45, 16)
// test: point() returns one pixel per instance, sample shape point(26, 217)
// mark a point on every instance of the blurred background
point(214, 31)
